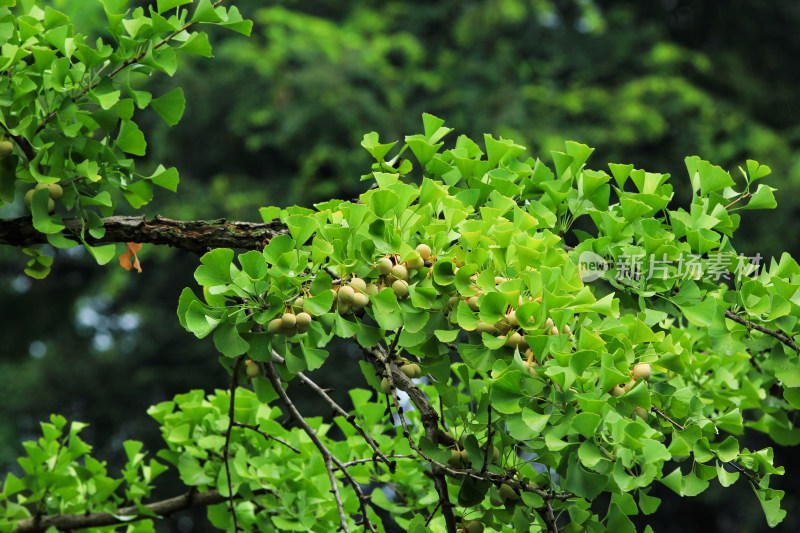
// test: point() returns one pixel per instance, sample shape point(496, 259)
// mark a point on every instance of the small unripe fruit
point(358, 284)
point(554, 331)
point(303, 320)
point(252, 370)
point(499, 279)
point(455, 459)
point(629, 385)
point(537, 299)
point(472, 302)
point(288, 320)
point(417, 370)
point(415, 263)
point(475, 527)
point(275, 326)
point(641, 371)
point(617, 391)
point(360, 300)
point(452, 302)
point(29, 197)
point(424, 251)
point(371, 289)
point(400, 288)
point(495, 500)
point(514, 340)
point(464, 457)
point(384, 265)
point(51, 205)
point(291, 331)
point(6, 149)
point(386, 386)
point(343, 307)
point(641, 413)
point(502, 326)
point(507, 492)
point(483, 327)
point(511, 316)
point(400, 272)
point(407, 370)
point(56, 191)
point(549, 324)
point(346, 294)
point(565, 330)
point(298, 304)
point(53, 189)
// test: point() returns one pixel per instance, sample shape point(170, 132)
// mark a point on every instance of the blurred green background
point(277, 119)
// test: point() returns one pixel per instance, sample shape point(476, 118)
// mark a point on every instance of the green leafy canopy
point(556, 375)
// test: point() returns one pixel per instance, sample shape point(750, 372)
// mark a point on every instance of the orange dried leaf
point(130, 253)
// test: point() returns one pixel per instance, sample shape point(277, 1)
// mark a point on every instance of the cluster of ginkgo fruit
point(54, 190)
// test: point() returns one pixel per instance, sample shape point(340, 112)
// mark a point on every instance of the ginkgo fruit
point(507, 492)
point(6, 149)
point(288, 320)
point(400, 272)
point(641, 371)
point(384, 266)
point(415, 263)
point(386, 385)
point(641, 413)
point(358, 284)
point(346, 294)
point(303, 321)
point(424, 251)
point(251, 369)
point(400, 288)
point(275, 326)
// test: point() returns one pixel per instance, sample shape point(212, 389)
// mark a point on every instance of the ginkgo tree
point(525, 375)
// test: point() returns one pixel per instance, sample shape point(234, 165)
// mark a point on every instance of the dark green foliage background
point(277, 119)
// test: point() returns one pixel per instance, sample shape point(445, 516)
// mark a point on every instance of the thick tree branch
point(197, 236)
point(68, 522)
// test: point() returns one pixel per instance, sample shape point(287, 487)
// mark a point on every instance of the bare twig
point(340, 411)
point(328, 457)
point(433, 513)
point(663, 415)
point(265, 435)
point(785, 339)
point(488, 439)
point(430, 420)
point(550, 518)
point(739, 199)
point(226, 448)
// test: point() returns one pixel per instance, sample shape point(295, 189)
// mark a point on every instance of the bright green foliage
point(70, 106)
point(533, 430)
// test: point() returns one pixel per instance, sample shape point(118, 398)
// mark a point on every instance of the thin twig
point(328, 457)
point(339, 410)
point(488, 439)
point(550, 518)
point(742, 197)
point(433, 513)
point(753, 479)
point(661, 414)
point(265, 435)
point(226, 448)
point(370, 460)
point(774, 333)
